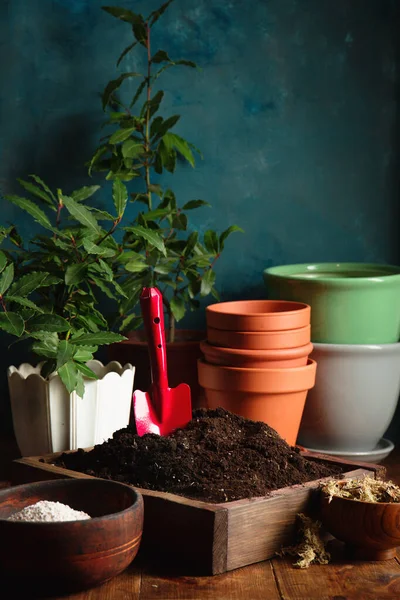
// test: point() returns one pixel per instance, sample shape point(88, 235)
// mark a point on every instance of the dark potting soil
point(217, 457)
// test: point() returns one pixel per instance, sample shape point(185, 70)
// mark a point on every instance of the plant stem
point(147, 129)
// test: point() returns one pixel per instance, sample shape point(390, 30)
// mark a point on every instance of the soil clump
point(217, 457)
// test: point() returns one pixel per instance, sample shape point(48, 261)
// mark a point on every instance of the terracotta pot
point(182, 356)
point(258, 315)
point(259, 340)
point(275, 396)
point(258, 359)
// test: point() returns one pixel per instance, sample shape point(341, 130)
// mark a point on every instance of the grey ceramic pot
point(354, 398)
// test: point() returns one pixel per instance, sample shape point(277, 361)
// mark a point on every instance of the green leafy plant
point(51, 285)
point(161, 248)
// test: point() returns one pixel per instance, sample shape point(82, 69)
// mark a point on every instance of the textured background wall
point(295, 110)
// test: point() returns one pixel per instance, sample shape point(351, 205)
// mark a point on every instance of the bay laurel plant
point(52, 284)
point(162, 248)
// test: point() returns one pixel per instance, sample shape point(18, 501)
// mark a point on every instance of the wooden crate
point(203, 538)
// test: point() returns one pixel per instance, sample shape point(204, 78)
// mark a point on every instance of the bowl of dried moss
point(364, 514)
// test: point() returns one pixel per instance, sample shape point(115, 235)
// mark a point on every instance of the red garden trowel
point(161, 409)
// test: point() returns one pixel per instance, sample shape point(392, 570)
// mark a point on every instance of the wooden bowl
point(371, 531)
point(58, 557)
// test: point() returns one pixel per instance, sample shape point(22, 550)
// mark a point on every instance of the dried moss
point(364, 490)
point(310, 548)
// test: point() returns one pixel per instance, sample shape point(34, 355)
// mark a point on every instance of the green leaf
point(156, 189)
point(226, 233)
point(160, 56)
point(131, 149)
point(156, 14)
point(160, 128)
point(84, 193)
point(81, 214)
point(6, 278)
point(167, 157)
point(177, 307)
point(207, 282)
point(101, 150)
point(75, 273)
point(134, 266)
point(125, 52)
point(158, 213)
point(123, 13)
point(102, 215)
point(195, 204)
point(150, 236)
point(48, 323)
point(211, 241)
point(121, 135)
point(186, 63)
point(31, 208)
point(113, 85)
point(99, 339)
point(86, 372)
point(84, 353)
point(44, 186)
point(131, 322)
point(3, 261)
point(120, 197)
point(65, 353)
point(138, 93)
point(28, 283)
point(172, 140)
point(38, 192)
point(154, 103)
point(69, 376)
point(92, 248)
point(47, 346)
point(164, 269)
point(102, 286)
point(23, 302)
point(191, 242)
point(12, 323)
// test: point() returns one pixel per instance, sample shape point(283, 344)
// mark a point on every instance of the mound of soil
point(217, 457)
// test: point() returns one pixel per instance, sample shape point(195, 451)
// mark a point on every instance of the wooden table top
point(274, 579)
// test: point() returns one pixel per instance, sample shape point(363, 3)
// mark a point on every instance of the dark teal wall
point(295, 110)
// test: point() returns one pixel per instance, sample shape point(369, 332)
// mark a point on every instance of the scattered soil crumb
point(364, 490)
point(217, 457)
point(310, 548)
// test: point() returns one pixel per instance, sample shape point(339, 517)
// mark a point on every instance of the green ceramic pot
point(351, 303)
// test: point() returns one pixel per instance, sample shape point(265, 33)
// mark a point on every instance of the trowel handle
point(153, 317)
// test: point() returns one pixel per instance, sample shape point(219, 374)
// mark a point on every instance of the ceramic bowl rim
point(357, 348)
point(388, 272)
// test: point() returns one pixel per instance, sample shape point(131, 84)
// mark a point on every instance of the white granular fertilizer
point(48, 511)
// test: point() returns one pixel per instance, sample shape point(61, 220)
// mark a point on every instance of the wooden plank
point(256, 582)
point(124, 587)
point(340, 579)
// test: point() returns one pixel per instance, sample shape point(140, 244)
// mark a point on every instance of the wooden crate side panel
point(258, 529)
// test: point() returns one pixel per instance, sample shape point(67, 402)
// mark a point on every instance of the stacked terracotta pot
point(256, 361)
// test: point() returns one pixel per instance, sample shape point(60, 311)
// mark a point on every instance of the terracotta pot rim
point(269, 354)
point(311, 364)
point(269, 334)
point(223, 307)
point(258, 315)
point(279, 380)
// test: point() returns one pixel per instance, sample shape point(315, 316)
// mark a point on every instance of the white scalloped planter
point(48, 419)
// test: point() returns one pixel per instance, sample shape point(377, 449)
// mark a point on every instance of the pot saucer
point(383, 448)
